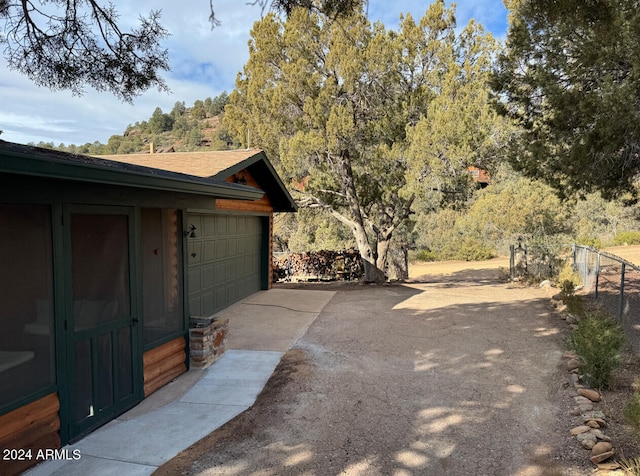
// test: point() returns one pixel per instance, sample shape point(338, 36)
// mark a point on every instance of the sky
point(204, 63)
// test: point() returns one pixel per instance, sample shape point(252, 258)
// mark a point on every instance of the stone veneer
point(206, 340)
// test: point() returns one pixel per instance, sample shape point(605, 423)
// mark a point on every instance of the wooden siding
point(262, 205)
point(34, 427)
point(163, 364)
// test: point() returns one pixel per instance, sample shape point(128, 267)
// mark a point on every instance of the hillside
point(182, 129)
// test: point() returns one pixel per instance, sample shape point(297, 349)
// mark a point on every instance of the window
point(27, 359)
point(162, 275)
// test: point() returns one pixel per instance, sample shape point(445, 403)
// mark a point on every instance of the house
point(479, 176)
point(103, 262)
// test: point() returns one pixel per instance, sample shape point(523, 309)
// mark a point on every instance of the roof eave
point(147, 178)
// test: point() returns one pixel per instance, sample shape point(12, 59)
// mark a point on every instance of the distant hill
point(183, 129)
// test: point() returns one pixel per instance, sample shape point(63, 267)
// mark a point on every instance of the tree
point(570, 77)
point(335, 104)
point(64, 44)
point(70, 44)
point(160, 122)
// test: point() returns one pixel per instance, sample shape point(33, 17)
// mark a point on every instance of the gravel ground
point(450, 374)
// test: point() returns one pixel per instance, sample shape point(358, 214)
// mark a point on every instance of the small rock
point(601, 447)
point(593, 424)
point(575, 412)
point(609, 466)
point(585, 407)
point(574, 378)
point(592, 395)
point(562, 308)
point(573, 364)
point(582, 437)
point(594, 415)
point(579, 429)
point(568, 355)
point(600, 435)
point(545, 284)
point(557, 297)
point(571, 319)
point(602, 456)
point(580, 399)
point(588, 444)
point(600, 421)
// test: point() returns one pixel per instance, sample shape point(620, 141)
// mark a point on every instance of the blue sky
point(204, 63)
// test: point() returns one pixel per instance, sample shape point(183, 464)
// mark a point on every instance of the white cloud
point(204, 63)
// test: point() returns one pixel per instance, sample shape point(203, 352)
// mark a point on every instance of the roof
point(219, 165)
point(35, 161)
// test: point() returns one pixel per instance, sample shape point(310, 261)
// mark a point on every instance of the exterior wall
point(32, 427)
point(164, 363)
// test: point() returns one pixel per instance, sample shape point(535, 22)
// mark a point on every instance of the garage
point(227, 259)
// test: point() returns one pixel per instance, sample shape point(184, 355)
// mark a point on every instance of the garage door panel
point(227, 262)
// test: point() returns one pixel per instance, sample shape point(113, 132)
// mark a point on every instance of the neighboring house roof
point(219, 165)
point(34, 161)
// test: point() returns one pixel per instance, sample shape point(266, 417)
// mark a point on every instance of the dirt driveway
point(451, 374)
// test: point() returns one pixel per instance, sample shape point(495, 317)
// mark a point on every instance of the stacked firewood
point(318, 265)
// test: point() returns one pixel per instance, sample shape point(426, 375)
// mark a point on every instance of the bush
point(597, 341)
point(567, 274)
point(630, 467)
point(627, 238)
point(426, 255)
point(474, 250)
point(632, 411)
point(591, 241)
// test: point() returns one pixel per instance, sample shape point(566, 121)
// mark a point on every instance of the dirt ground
point(452, 373)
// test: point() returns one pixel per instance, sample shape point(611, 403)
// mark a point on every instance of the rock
point(579, 429)
point(573, 364)
point(601, 447)
point(585, 407)
point(562, 308)
point(609, 466)
point(557, 297)
point(592, 395)
point(545, 284)
point(574, 378)
point(594, 415)
point(600, 435)
point(602, 456)
point(588, 444)
point(581, 400)
point(600, 421)
point(568, 355)
point(582, 437)
point(571, 319)
point(593, 424)
point(575, 412)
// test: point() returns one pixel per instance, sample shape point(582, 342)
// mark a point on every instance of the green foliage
point(597, 342)
point(627, 238)
point(632, 416)
point(471, 249)
point(591, 241)
point(569, 280)
point(351, 112)
point(426, 255)
point(569, 77)
point(575, 304)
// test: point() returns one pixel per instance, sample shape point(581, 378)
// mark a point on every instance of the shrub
point(627, 238)
point(567, 274)
point(471, 249)
point(426, 255)
point(597, 342)
point(632, 411)
point(591, 241)
point(575, 304)
point(630, 467)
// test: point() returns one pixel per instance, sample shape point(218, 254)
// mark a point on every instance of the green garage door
point(225, 260)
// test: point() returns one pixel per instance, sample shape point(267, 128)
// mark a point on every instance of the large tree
point(570, 76)
point(337, 104)
point(71, 44)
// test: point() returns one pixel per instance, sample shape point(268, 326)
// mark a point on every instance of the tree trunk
point(398, 262)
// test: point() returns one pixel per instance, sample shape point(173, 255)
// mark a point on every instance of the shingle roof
point(199, 164)
point(219, 165)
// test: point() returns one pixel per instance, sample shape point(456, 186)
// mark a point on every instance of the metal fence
point(615, 285)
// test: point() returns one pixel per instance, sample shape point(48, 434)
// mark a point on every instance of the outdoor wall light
point(191, 232)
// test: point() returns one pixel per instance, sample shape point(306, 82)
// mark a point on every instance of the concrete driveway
point(450, 376)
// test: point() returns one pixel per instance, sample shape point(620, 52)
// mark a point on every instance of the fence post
point(621, 305)
point(597, 274)
point(585, 269)
point(512, 260)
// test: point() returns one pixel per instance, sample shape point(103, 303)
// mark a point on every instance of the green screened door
point(102, 359)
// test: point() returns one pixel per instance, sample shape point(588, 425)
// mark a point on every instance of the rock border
point(591, 420)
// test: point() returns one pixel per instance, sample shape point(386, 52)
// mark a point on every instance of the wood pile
point(325, 265)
